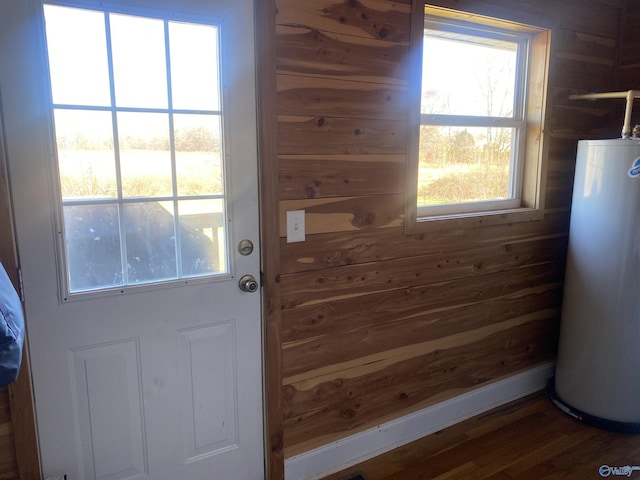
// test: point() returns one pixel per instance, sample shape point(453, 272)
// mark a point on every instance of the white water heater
point(598, 369)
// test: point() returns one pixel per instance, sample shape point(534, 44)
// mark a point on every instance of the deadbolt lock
point(245, 247)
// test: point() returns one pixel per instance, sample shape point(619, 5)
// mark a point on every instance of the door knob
point(248, 284)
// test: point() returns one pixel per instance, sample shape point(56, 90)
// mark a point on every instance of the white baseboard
point(357, 448)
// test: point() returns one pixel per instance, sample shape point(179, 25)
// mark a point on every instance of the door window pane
point(194, 66)
point(93, 246)
point(139, 61)
point(77, 56)
point(150, 242)
point(145, 154)
point(198, 141)
point(86, 158)
point(202, 237)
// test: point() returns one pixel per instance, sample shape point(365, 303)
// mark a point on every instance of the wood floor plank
point(553, 447)
point(526, 439)
point(488, 453)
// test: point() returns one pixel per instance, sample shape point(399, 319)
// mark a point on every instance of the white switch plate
point(295, 226)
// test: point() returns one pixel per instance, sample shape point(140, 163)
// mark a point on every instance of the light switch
point(295, 226)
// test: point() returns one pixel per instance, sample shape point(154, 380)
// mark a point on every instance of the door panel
point(158, 382)
point(208, 378)
point(106, 388)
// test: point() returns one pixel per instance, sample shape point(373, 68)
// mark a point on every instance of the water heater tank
point(598, 369)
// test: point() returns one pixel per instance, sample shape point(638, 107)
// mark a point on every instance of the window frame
point(528, 203)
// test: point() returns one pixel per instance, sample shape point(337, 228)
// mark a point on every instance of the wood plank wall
point(629, 76)
point(376, 324)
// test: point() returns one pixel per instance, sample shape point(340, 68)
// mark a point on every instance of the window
point(477, 90)
point(138, 132)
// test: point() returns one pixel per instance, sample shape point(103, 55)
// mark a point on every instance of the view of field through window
point(466, 82)
point(87, 158)
point(138, 128)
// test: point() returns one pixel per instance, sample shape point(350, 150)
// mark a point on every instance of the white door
point(134, 180)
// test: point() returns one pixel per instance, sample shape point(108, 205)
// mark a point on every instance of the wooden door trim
point(20, 392)
point(265, 12)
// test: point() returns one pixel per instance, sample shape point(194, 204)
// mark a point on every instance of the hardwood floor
point(526, 439)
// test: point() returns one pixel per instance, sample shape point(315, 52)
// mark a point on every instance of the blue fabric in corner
point(11, 330)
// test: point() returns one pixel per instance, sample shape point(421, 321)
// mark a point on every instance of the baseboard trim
point(357, 448)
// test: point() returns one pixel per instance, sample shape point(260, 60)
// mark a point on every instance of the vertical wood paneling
point(375, 323)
